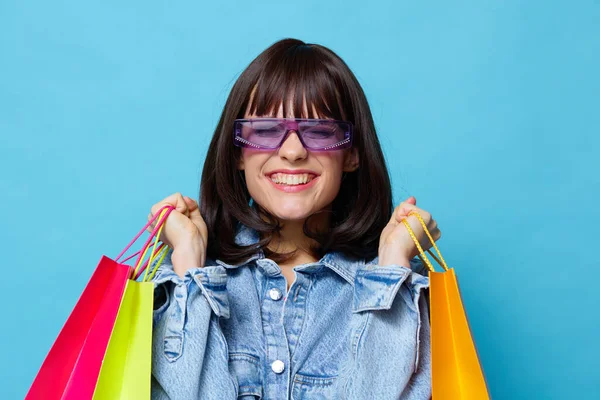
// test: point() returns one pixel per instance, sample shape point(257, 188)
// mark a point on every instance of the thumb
point(412, 200)
point(191, 203)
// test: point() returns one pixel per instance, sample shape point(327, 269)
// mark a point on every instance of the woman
point(294, 277)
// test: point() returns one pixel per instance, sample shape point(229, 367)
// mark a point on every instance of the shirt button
point(278, 366)
point(275, 294)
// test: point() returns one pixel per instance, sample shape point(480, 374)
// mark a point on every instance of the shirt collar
point(374, 286)
point(336, 261)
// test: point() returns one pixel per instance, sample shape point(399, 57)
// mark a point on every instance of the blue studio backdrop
point(487, 112)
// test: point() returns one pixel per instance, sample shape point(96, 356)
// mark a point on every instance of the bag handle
point(140, 234)
point(163, 214)
point(162, 251)
point(162, 255)
point(158, 250)
point(422, 256)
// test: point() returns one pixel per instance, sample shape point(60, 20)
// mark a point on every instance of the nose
point(292, 148)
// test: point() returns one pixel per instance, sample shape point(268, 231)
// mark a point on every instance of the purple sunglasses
point(314, 134)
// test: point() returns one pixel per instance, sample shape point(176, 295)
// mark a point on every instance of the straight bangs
point(298, 75)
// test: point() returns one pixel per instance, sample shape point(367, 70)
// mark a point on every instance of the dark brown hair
point(363, 205)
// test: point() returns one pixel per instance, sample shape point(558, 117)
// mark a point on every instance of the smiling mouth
point(291, 179)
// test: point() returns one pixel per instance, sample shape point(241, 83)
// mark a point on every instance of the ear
point(240, 165)
point(351, 160)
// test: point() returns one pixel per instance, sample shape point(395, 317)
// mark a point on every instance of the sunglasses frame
point(292, 124)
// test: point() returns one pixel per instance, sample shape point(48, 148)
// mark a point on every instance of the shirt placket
point(293, 312)
point(277, 375)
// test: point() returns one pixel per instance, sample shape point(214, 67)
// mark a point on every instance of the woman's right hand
point(184, 231)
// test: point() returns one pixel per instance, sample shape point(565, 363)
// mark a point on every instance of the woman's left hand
point(396, 245)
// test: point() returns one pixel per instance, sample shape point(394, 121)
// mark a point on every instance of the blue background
point(487, 111)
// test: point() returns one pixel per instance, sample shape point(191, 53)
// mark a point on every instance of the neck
point(291, 237)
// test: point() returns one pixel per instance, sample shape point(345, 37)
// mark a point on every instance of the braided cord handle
point(422, 256)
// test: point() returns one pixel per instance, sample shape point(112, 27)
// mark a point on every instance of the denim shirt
point(346, 329)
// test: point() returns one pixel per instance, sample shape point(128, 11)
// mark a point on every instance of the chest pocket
point(307, 387)
point(246, 369)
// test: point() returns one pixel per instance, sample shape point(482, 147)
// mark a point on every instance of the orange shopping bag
point(456, 371)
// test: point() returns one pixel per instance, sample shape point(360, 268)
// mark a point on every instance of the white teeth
point(290, 179)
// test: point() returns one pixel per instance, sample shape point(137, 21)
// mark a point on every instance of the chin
point(291, 216)
point(292, 213)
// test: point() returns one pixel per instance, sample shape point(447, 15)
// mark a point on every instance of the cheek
point(252, 161)
point(332, 173)
point(333, 165)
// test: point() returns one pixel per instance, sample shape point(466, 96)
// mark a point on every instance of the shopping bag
point(73, 362)
point(71, 369)
point(456, 371)
point(125, 372)
point(126, 369)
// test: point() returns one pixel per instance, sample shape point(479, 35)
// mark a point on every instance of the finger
point(426, 243)
point(191, 203)
point(152, 225)
point(404, 209)
point(425, 240)
point(436, 234)
point(175, 200)
point(399, 213)
point(181, 205)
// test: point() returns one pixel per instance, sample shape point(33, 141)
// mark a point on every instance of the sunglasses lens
point(316, 135)
point(322, 135)
point(266, 134)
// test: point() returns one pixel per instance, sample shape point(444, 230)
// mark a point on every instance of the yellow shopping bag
point(126, 368)
point(125, 372)
point(456, 371)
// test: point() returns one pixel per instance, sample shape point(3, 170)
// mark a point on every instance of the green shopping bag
point(126, 368)
point(125, 372)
